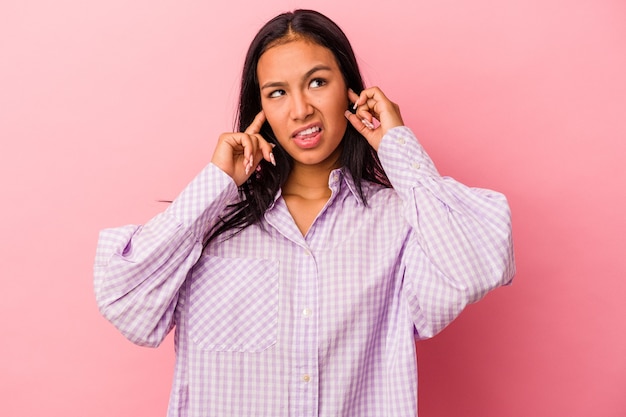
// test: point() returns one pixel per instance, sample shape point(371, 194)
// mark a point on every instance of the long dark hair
point(358, 156)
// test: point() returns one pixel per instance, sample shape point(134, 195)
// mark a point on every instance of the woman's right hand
point(239, 153)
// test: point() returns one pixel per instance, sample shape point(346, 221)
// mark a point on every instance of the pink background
point(106, 107)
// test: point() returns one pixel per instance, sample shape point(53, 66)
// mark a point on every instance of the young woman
point(302, 263)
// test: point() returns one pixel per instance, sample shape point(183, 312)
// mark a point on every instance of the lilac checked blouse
point(273, 323)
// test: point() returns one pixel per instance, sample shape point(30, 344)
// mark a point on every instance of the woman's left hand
point(373, 104)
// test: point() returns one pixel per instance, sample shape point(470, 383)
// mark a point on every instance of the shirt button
point(401, 141)
point(415, 165)
point(306, 378)
point(307, 252)
point(307, 312)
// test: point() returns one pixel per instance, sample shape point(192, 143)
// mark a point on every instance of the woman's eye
point(277, 93)
point(317, 82)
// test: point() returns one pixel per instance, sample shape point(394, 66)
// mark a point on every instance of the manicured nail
point(347, 113)
point(272, 159)
point(367, 123)
point(355, 106)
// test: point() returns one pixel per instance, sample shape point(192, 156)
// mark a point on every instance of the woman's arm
point(139, 270)
point(460, 246)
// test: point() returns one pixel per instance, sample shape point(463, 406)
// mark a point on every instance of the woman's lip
point(308, 141)
point(295, 133)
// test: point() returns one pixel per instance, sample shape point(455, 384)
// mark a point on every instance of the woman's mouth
point(308, 138)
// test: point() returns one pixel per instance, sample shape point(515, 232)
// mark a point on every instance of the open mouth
point(308, 137)
point(308, 132)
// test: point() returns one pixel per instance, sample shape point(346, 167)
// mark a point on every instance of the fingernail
point(347, 114)
point(272, 160)
point(355, 106)
point(367, 123)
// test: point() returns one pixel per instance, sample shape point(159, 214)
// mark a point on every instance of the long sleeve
point(460, 245)
point(139, 270)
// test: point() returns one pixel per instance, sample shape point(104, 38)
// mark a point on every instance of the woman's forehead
point(294, 56)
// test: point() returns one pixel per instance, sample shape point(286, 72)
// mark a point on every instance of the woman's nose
point(301, 107)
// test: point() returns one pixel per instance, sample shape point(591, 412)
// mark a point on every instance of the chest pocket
point(233, 304)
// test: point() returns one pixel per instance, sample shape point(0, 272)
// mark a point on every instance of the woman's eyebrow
point(316, 68)
point(273, 84)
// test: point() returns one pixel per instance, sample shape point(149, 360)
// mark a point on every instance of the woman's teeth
point(309, 131)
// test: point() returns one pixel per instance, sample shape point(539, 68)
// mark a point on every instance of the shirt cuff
point(404, 159)
point(199, 205)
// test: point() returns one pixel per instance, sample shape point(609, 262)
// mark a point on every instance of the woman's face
point(304, 97)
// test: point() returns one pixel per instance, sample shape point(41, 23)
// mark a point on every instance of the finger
point(360, 106)
point(377, 107)
point(371, 96)
point(371, 108)
point(373, 136)
point(363, 97)
point(373, 92)
point(257, 124)
point(367, 114)
point(249, 144)
point(366, 100)
point(266, 150)
point(256, 148)
point(362, 125)
point(368, 123)
point(353, 97)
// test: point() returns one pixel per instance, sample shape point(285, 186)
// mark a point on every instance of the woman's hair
point(358, 156)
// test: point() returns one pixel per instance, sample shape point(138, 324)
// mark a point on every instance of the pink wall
point(108, 106)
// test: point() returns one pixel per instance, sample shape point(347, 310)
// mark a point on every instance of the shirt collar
point(341, 176)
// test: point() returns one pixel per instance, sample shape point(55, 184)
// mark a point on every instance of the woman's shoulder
point(376, 194)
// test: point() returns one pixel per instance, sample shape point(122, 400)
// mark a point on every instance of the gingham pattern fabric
point(271, 323)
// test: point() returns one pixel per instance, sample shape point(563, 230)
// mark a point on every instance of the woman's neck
point(306, 192)
point(309, 182)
